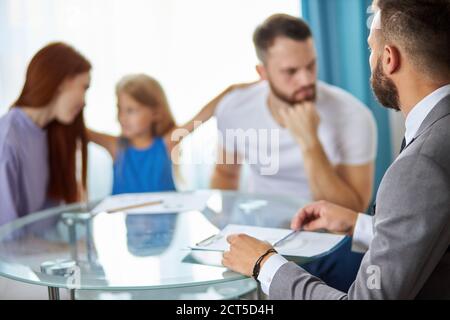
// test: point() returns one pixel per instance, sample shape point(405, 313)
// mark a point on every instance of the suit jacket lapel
point(441, 110)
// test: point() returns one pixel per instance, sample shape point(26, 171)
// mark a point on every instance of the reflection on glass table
point(134, 256)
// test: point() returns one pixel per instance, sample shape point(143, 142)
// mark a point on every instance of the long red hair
point(46, 72)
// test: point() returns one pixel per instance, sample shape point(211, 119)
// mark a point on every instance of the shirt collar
point(418, 114)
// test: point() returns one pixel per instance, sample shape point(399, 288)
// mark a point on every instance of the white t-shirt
point(347, 132)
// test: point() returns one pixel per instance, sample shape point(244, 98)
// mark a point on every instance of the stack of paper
point(285, 241)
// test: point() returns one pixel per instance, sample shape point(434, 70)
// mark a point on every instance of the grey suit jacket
point(408, 257)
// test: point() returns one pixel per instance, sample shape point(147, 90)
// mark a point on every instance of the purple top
point(24, 171)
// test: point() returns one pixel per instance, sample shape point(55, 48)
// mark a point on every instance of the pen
point(145, 204)
point(285, 238)
point(203, 241)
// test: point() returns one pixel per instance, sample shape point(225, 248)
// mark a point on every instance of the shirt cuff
point(268, 271)
point(363, 233)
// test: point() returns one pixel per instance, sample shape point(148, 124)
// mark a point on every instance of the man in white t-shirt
point(299, 136)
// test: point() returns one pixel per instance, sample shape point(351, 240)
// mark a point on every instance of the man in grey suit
point(407, 240)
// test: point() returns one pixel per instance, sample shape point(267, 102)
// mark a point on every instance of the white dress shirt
point(418, 114)
point(363, 233)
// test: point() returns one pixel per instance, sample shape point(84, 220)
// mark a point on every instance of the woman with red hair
point(41, 134)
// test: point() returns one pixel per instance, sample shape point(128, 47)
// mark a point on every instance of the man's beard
point(384, 88)
point(290, 100)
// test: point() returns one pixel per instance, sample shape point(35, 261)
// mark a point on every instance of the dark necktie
point(403, 145)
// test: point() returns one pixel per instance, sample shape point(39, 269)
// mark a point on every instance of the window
point(194, 48)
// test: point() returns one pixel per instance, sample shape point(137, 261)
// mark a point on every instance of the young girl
point(142, 161)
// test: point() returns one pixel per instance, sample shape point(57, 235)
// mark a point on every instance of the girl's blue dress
point(143, 170)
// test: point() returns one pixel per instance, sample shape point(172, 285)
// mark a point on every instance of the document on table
point(163, 202)
point(285, 241)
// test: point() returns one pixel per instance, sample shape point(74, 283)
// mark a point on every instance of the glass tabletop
point(69, 247)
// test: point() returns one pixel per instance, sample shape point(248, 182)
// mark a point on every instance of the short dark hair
point(422, 29)
point(279, 25)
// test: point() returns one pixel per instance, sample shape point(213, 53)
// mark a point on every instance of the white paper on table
point(219, 241)
point(308, 244)
point(172, 202)
point(300, 244)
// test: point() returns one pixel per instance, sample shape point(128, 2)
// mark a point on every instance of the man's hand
point(325, 215)
point(244, 252)
point(302, 121)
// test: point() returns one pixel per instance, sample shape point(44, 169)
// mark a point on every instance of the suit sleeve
point(412, 233)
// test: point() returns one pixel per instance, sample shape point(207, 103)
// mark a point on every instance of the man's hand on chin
point(244, 252)
point(302, 120)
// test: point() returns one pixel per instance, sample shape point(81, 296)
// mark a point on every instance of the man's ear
point(391, 60)
point(261, 69)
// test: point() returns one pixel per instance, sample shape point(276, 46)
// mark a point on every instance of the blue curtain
point(340, 32)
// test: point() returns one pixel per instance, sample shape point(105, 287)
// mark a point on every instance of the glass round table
point(135, 255)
